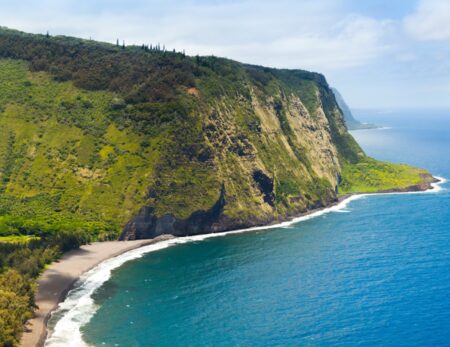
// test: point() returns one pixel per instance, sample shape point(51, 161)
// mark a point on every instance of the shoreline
point(60, 277)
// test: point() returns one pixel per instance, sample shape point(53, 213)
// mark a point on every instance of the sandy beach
point(60, 276)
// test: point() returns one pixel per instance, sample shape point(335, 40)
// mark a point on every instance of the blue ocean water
point(377, 273)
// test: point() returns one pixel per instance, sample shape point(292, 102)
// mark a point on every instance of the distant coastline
point(60, 277)
point(366, 126)
point(374, 128)
point(351, 122)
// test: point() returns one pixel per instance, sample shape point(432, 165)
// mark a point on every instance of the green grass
point(66, 159)
point(18, 239)
point(371, 176)
point(56, 133)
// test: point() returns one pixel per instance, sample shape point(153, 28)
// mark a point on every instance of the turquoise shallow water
point(377, 273)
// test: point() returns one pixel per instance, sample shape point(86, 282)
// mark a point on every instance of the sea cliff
point(137, 141)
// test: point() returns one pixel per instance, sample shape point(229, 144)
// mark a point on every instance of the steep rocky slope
point(101, 138)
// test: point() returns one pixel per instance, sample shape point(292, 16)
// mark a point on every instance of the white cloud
point(406, 57)
point(352, 42)
point(430, 22)
point(295, 34)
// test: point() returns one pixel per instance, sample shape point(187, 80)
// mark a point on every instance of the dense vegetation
point(91, 132)
point(140, 117)
point(21, 261)
point(371, 176)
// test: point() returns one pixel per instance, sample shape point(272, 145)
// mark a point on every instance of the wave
point(79, 307)
point(437, 187)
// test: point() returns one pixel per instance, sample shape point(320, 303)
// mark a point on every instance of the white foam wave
point(437, 187)
point(78, 308)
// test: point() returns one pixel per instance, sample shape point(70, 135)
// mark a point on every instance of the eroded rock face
point(147, 225)
point(276, 159)
point(265, 185)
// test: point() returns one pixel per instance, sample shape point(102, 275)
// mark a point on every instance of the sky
point(379, 53)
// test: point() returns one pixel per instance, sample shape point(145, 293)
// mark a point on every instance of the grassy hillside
point(372, 176)
point(96, 137)
point(97, 131)
point(61, 157)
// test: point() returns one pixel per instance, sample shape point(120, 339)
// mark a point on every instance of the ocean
point(374, 270)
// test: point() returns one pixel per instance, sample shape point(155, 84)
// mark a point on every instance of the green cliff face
point(95, 138)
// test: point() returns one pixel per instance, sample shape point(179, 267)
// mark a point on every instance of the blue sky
point(378, 53)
